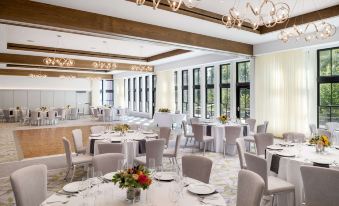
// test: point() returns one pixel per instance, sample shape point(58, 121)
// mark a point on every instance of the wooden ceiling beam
point(34, 13)
point(164, 55)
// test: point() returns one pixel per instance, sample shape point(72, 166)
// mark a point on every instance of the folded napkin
point(91, 147)
point(57, 198)
point(142, 146)
point(214, 200)
point(209, 130)
point(275, 163)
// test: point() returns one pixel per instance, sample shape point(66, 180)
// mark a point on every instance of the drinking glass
point(83, 188)
point(151, 166)
point(174, 194)
point(121, 165)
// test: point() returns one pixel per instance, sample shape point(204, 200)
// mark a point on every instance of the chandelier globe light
point(173, 4)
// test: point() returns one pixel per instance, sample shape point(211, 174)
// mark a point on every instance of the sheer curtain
point(285, 91)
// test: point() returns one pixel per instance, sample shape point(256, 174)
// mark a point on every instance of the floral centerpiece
point(68, 106)
point(164, 110)
point(320, 142)
point(43, 108)
point(223, 118)
point(108, 106)
point(134, 179)
point(17, 108)
point(123, 128)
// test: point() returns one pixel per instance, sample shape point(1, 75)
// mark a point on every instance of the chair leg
point(186, 142)
point(74, 169)
point(67, 173)
point(273, 200)
point(204, 147)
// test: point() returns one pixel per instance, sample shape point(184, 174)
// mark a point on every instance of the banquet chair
point(73, 162)
point(154, 150)
point(266, 126)
point(78, 143)
point(250, 188)
point(313, 129)
point(199, 135)
point(273, 185)
point(52, 115)
point(2, 116)
point(29, 185)
point(97, 129)
point(172, 154)
point(35, 118)
point(165, 133)
point(110, 148)
point(294, 137)
point(81, 112)
point(107, 163)
point(261, 129)
point(197, 167)
point(24, 117)
point(187, 135)
point(251, 123)
point(107, 115)
point(194, 120)
point(231, 134)
point(73, 114)
point(262, 141)
point(320, 185)
point(241, 152)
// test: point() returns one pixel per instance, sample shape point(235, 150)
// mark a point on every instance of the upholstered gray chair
point(313, 129)
point(187, 135)
point(165, 133)
point(231, 134)
point(107, 163)
point(29, 185)
point(197, 167)
point(241, 151)
point(194, 120)
point(154, 150)
point(72, 162)
point(320, 185)
point(172, 154)
point(273, 185)
point(110, 148)
point(251, 123)
point(200, 137)
point(294, 136)
point(262, 141)
point(250, 188)
point(261, 128)
point(97, 129)
point(78, 144)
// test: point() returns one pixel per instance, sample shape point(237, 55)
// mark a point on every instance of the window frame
point(242, 85)
point(196, 87)
point(176, 96)
point(140, 94)
point(224, 86)
point(134, 94)
point(147, 94)
point(207, 87)
point(184, 88)
point(129, 92)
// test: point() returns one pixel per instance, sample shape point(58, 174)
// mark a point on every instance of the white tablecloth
point(112, 195)
point(289, 168)
point(164, 119)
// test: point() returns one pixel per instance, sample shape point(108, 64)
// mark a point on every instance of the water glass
point(174, 194)
point(83, 188)
point(151, 166)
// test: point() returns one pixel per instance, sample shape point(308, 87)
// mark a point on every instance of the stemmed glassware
point(83, 188)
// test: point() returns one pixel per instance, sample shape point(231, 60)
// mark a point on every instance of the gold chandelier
point(173, 4)
point(67, 77)
point(55, 61)
point(141, 68)
point(267, 14)
point(38, 76)
point(104, 65)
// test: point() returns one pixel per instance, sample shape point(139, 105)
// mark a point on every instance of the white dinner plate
point(109, 176)
point(164, 176)
point(201, 189)
point(147, 132)
point(285, 154)
point(336, 146)
point(71, 187)
point(95, 135)
point(275, 147)
point(321, 161)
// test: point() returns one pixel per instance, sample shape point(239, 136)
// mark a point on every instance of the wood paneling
point(29, 12)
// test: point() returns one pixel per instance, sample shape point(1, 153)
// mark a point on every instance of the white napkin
point(214, 200)
point(57, 198)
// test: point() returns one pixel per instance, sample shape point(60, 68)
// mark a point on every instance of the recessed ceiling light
point(30, 40)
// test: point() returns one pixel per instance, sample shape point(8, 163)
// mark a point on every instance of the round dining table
point(159, 193)
point(289, 167)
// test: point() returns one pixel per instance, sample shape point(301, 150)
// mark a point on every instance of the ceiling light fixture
point(67, 77)
point(173, 4)
point(267, 14)
point(55, 61)
point(104, 65)
point(38, 76)
point(141, 68)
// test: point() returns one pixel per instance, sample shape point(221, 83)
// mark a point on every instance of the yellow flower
point(135, 176)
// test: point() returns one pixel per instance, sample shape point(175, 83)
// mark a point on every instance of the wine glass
point(120, 165)
point(97, 180)
point(83, 188)
point(174, 194)
point(151, 166)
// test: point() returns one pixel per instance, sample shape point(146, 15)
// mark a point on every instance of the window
point(147, 94)
point(196, 93)
point(209, 92)
point(176, 90)
point(129, 93)
point(184, 89)
point(154, 91)
point(140, 94)
point(134, 94)
point(225, 82)
point(243, 90)
point(328, 86)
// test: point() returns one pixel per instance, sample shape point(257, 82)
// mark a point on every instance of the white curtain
point(285, 91)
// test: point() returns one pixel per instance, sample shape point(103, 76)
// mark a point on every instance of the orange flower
point(135, 176)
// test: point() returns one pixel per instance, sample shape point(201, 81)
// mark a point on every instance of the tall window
point(196, 93)
point(134, 94)
point(140, 94)
point(209, 92)
point(328, 86)
point(225, 82)
point(243, 89)
point(129, 93)
point(154, 91)
point(147, 94)
point(176, 90)
point(184, 91)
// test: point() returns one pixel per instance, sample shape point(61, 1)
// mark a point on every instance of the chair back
point(164, 133)
point(198, 131)
point(232, 133)
point(107, 163)
point(266, 126)
point(177, 145)
point(109, 148)
point(251, 123)
point(262, 141)
point(68, 151)
point(313, 129)
point(240, 142)
point(95, 113)
point(29, 185)
point(184, 127)
point(261, 129)
point(35, 115)
point(250, 188)
point(258, 165)
point(155, 150)
point(52, 114)
point(197, 167)
point(97, 129)
point(74, 111)
point(294, 136)
point(77, 139)
point(194, 120)
point(320, 185)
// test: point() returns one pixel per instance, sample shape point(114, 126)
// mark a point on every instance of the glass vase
point(133, 194)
